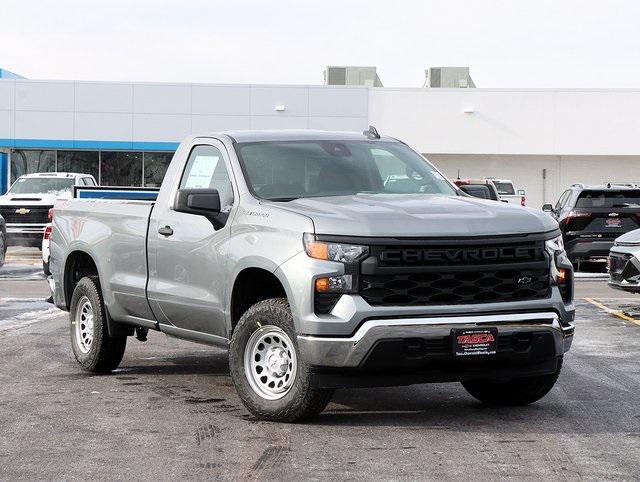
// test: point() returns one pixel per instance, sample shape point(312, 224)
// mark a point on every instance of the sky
point(507, 44)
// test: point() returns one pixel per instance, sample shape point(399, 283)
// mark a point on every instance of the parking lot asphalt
point(171, 411)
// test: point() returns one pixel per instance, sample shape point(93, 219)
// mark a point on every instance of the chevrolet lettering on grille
point(462, 255)
point(23, 211)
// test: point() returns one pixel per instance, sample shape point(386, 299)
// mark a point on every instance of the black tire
point(519, 391)
point(302, 400)
point(104, 353)
point(3, 248)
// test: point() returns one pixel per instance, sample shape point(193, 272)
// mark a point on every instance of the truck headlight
point(329, 251)
point(555, 245)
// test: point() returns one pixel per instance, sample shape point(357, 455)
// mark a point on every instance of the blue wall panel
point(4, 169)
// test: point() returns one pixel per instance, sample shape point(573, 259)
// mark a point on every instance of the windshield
point(41, 185)
point(504, 187)
point(608, 199)
point(294, 169)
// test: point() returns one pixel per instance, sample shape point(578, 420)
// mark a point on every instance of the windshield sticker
point(201, 172)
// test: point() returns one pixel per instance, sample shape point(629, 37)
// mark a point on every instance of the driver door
point(191, 270)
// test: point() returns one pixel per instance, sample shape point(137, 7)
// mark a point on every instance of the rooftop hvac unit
point(336, 76)
point(435, 77)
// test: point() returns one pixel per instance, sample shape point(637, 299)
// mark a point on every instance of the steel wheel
point(270, 362)
point(84, 324)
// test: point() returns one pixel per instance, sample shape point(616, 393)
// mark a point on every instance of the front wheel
point(271, 379)
point(92, 346)
point(519, 391)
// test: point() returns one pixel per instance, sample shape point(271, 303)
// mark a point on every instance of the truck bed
point(114, 234)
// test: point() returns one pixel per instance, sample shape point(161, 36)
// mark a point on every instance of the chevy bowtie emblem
point(524, 280)
point(23, 211)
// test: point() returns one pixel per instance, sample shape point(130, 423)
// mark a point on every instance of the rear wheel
point(92, 346)
point(519, 391)
point(271, 379)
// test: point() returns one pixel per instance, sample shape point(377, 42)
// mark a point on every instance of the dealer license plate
point(474, 341)
point(613, 223)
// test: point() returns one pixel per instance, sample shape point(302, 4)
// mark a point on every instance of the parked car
point(25, 207)
point(288, 249)
point(3, 241)
point(624, 262)
point(46, 252)
point(481, 188)
point(592, 217)
point(508, 192)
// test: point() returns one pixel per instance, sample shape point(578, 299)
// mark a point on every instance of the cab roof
point(295, 135)
point(615, 186)
point(55, 174)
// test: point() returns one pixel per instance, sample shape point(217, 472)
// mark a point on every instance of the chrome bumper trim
point(351, 351)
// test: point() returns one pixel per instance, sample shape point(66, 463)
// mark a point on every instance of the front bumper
point(26, 229)
point(624, 268)
point(29, 233)
point(354, 351)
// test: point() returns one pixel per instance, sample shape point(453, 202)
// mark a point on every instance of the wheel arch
point(78, 264)
point(253, 284)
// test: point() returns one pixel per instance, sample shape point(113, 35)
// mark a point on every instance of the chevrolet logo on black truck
point(461, 255)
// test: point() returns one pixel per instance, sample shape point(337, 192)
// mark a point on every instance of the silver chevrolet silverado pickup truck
point(319, 260)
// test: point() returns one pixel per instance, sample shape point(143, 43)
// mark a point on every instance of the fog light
point(335, 284)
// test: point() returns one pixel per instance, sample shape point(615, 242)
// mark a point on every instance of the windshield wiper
point(625, 205)
point(281, 199)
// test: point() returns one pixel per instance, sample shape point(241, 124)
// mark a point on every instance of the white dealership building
point(124, 133)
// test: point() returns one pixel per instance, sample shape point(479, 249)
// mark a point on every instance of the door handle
point(166, 231)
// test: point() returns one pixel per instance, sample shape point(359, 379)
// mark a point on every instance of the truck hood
point(418, 215)
point(630, 237)
point(47, 199)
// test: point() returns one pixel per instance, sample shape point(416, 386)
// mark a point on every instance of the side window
point(206, 170)
point(88, 181)
point(562, 200)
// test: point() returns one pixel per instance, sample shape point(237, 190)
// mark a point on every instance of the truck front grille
point(462, 273)
point(25, 214)
point(464, 287)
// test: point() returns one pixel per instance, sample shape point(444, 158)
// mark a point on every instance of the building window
point(155, 167)
point(83, 162)
point(121, 168)
point(27, 162)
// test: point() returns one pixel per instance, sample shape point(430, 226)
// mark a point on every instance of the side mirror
point(205, 202)
point(521, 192)
point(547, 208)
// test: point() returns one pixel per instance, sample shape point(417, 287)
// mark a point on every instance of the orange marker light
point(562, 276)
point(318, 251)
point(322, 285)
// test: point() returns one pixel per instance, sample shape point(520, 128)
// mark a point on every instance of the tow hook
point(141, 333)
